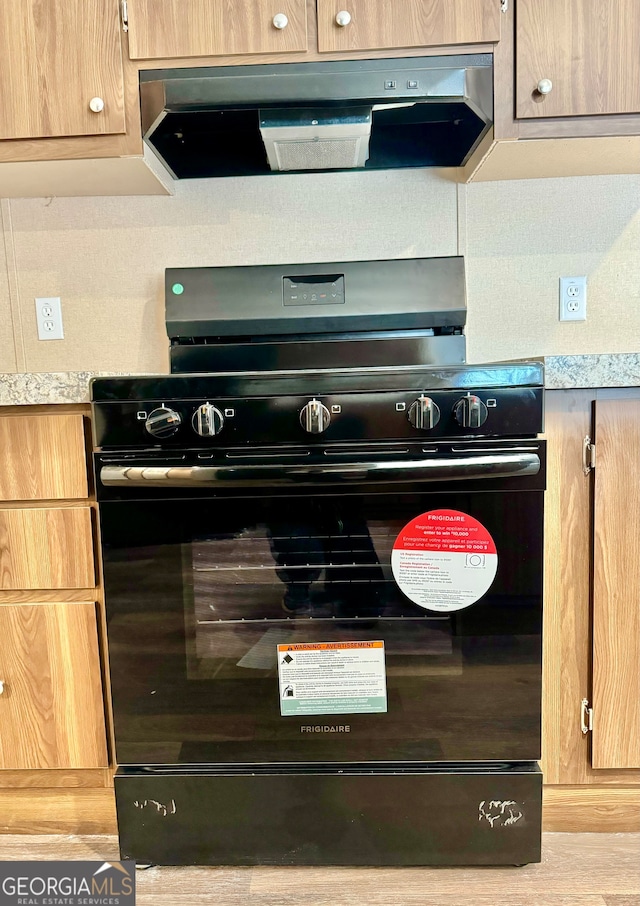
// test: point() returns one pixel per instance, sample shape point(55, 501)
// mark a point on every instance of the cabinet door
point(46, 548)
point(616, 586)
point(51, 711)
point(195, 28)
point(587, 50)
point(43, 457)
point(406, 23)
point(56, 56)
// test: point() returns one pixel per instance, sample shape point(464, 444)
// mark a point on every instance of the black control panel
point(269, 300)
point(325, 290)
point(326, 418)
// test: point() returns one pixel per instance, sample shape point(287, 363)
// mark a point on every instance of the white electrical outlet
point(573, 298)
point(49, 319)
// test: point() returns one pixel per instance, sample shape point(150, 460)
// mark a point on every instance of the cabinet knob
point(96, 105)
point(1, 686)
point(280, 21)
point(545, 86)
point(343, 18)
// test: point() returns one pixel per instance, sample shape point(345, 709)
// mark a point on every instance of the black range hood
point(353, 114)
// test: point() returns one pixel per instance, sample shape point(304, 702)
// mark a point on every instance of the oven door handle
point(458, 468)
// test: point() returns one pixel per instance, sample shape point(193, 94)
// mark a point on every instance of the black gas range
point(323, 576)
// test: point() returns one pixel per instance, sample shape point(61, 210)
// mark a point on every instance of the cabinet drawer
point(46, 548)
point(43, 457)
point(196, 28)
point(51, 711)
point(377, 24)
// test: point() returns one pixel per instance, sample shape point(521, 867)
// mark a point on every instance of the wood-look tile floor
point(577, 870)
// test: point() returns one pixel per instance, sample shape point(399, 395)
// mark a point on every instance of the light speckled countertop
point(608, 370)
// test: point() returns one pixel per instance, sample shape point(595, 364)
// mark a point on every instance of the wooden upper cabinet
point(195, 28)
point(51, 711)
point(616, 586)
point(57, 55)
point(587, 50)
point(43, 457)
point(379, 24)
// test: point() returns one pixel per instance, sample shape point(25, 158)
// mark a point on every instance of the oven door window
point(200, 594)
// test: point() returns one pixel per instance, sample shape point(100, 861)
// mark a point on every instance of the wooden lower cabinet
point(51, 710)
point(616, 585)
point(49, 547)
point(43, 457)
point(581, 613)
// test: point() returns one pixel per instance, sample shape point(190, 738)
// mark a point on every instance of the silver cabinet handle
point(545, 86)
point(1, 686)
point(454, 469)
point(343, 18)
point(96, 105)
point(280, 20)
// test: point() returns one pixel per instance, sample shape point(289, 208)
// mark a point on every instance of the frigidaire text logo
point(68, 883)
point(345, 728)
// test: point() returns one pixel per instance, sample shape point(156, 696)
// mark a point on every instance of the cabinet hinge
point(586, 717)
point(504, 6)
point(124, 15)
point(588, 455)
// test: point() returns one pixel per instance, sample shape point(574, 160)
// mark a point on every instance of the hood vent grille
point(302, 139)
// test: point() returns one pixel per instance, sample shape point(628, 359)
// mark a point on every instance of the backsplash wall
point(105, 257)
point(7, 350)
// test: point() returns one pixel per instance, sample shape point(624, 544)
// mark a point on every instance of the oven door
point(358, 615)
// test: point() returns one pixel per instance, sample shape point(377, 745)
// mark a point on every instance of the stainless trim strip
point(299, 618)
point(480, 449)
point(455, 469)
point(255, 454)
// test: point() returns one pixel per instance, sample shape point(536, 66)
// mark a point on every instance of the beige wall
point(522, 236)
point(105, 257)
point(7, 349)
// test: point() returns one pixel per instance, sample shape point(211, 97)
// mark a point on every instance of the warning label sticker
point(444, 560)
point(332, 678)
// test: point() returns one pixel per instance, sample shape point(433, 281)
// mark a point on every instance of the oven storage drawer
point(429, 815)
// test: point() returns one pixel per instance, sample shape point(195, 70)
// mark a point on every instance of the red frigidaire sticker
point(444, 560)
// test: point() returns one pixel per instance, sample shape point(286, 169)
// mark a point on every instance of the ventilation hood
point(348, 114)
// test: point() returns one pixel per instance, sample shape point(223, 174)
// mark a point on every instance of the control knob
point(424, 413)
point(470, 411)
point(207, 420)
point(163, 422)
point(315, 417)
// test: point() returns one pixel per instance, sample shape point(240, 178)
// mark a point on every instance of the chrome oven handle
point(461, 468)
